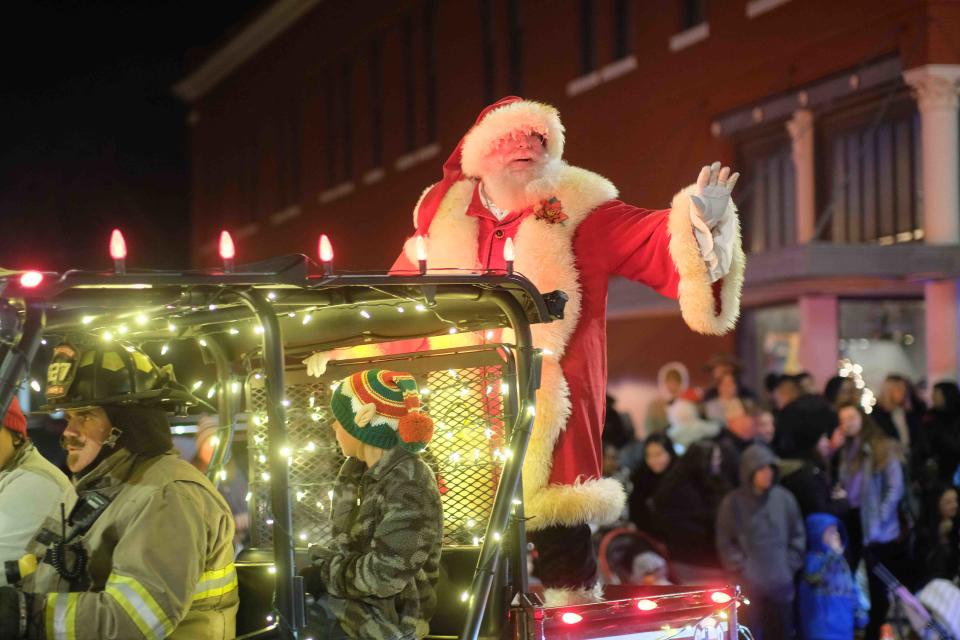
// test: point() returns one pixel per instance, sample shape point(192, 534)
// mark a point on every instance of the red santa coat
point(601, 237)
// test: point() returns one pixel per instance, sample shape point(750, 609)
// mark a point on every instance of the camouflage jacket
point(381, 567)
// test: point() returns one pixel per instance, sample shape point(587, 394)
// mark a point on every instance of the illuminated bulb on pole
point(422, 255)
point(118, 251)
point(31, 279)
point(325, 249)
point(164, 349)
point(227, 251)
point(509, 255)
point(35, 385)
point(141, 319)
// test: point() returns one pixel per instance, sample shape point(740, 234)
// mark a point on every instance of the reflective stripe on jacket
point(160, 559)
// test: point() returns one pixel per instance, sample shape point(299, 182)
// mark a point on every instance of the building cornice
point(254, 37)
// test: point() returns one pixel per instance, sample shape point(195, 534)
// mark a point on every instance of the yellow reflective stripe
point(139, 605)
point(217, 573)
point(61, 616)
point(216, 583)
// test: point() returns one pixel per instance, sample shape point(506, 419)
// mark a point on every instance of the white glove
point(713, 229)
point(712, 193)
point(317, 363)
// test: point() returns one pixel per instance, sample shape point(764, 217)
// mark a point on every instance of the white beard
point(515, 190)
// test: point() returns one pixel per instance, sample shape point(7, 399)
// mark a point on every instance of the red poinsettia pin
point(550, 211)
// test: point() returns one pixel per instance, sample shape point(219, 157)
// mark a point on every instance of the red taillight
point(227, 250)
point(571, 618)
point(646, 605)
point(118, 246)
point(720, 597)
point(31, 279)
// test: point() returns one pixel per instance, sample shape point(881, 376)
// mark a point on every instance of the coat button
point(499, 233)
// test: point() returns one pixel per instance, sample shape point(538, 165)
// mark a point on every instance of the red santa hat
point(500, 119)
point(15, 420)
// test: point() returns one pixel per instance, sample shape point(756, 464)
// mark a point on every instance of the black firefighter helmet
point(111, 374)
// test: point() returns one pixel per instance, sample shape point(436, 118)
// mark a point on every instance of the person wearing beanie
point(30, 488)
point(507, 180)
point(146, 549)
point(376, 580)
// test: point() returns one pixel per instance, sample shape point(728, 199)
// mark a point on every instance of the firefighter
point(29, 487)
point(146, 549)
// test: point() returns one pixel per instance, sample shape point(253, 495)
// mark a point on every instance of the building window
point(346, 120)
point(489, 51)
point(883, 336)
point(409, 87)
point(516, 47)
point(693, 12)
point(767, 201)
point(588, 49)
point(870, 174)
point(430, 68)
point(622, 28)
point(330, 139)
point(376, 104)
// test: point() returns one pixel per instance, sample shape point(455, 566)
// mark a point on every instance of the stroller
point(935, 615)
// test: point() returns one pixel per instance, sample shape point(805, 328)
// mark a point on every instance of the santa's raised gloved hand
point(713, 223)
point(14, 612)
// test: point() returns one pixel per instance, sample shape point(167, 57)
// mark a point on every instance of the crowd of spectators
point(793, 493)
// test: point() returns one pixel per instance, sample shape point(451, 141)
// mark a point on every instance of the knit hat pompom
point(415, 430)
point(14, 420)
point(382, 408)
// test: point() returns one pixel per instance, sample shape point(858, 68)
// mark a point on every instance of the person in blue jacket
point(826, 596)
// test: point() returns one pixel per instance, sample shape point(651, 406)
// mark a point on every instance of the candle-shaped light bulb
point(508, 255)
point(118, 251)
point(325, 249)
point(227, 251)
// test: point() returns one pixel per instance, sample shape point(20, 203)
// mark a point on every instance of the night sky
point(91, 136)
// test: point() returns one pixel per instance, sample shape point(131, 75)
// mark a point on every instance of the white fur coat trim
point(696, 298)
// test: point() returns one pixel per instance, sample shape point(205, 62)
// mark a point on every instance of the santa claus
point(507, 180)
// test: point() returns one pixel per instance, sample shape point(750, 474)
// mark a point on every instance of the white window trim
point(606, 73)
point(335, 193)
point(759, 7)
point(689, 37)
point(417, 156)
point(286, 214)
point(374, 175)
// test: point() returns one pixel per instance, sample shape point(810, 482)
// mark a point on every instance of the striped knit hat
point(382, 408)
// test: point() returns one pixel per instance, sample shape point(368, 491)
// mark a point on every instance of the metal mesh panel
point(468, 446)
point(470, 407)
point(314, 461)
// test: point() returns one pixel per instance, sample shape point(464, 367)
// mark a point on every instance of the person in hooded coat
point(827, 598)
point(761, 539)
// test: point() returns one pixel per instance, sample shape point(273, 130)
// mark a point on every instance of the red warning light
point(571, 618)
point(720, 597)
point(646, 605)
point(31, 279)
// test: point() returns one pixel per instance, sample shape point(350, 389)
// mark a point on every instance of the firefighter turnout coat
point(159, 558)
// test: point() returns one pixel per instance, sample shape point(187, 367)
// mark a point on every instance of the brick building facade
point(333, 116)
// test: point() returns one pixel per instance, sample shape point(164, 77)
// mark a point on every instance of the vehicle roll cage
point(195, 303)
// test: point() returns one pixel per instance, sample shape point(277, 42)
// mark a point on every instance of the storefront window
point(881, 337)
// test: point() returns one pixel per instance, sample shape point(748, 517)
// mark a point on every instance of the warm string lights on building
point(848, 369)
